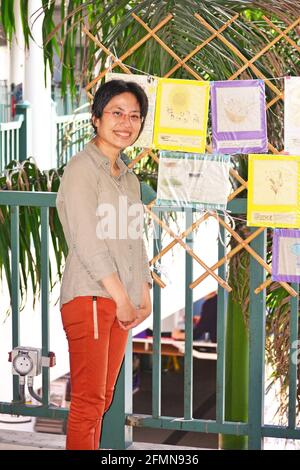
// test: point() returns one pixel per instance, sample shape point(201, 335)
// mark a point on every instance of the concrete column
point(37, 93)
point(17, 49)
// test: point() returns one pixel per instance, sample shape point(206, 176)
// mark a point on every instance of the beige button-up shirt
point(99, 247)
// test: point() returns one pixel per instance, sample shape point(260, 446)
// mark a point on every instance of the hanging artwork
point(286, 255)
point(200, 181)
point(292, 115)
point(239, 116)
point(273, 191)
point(149, 85)
point(181, 115)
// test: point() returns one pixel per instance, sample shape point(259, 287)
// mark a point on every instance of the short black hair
point(113, 88)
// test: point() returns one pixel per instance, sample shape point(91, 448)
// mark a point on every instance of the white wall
point(4, 63)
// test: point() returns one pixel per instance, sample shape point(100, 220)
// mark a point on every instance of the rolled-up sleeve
point(79, 186)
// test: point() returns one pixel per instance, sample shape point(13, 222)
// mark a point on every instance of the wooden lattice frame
point(215, 34)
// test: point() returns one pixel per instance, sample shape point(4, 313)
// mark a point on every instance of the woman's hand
point(128, 316)
point(146, 303)
point(126, 313)
point(146, 306)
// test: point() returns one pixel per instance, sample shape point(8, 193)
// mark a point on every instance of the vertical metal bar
point(7, 149)
point(77, 135)
point(13, 153)
point(70, 145)
point(4, 148)
point(74, 138)
point(1, 150)
point(81, 140)
point(221, 315)
point(257, 322)
point(293, 359)
point(57, 145)
point(15, 285)
point(17, 145)
point(61, 142)
point(45, 298)
point(188, 353)
point(156, 365)
point(25, 144)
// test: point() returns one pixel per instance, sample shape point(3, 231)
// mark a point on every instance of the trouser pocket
point(95, 318)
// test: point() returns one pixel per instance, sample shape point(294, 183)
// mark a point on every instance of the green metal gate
point(120, 416)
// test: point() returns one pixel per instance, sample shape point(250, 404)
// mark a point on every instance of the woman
point(106, 283)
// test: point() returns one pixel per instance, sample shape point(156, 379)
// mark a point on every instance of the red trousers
point(96, 347)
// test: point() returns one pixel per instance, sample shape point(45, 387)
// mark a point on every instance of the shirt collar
point(101, 161)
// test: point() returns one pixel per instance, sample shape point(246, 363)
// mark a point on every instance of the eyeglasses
point(117, 116)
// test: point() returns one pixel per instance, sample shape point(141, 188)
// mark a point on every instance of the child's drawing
point(273, 191)
point(286, 255)
point(236, 110)
point(181, 115)
point(239, 109)
point(239, 116)
point(275, 182)
point(194, 180)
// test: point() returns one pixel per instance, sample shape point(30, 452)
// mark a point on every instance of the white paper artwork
point(292, 115)
point(200, 181)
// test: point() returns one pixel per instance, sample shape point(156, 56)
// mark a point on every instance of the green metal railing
point(72, 133)
point(44, 201)
point(120, 417)
point(10, 141)
point(4, 112)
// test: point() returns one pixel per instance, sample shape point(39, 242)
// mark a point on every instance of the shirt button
point(130, 268)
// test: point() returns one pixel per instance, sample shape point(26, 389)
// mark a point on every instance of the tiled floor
point(22, 440)
point(25, 440)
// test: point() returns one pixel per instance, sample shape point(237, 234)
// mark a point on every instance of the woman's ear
point(95, 121)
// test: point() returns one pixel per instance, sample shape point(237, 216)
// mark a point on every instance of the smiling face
point(120, 123)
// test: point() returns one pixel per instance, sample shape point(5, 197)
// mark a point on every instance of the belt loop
point(95, 318)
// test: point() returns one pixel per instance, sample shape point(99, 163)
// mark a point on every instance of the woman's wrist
point(121, 298)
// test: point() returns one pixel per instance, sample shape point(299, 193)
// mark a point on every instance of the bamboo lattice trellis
point(216, 34)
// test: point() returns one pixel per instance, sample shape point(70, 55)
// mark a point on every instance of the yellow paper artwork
point(181, 115)
point(273, 191)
